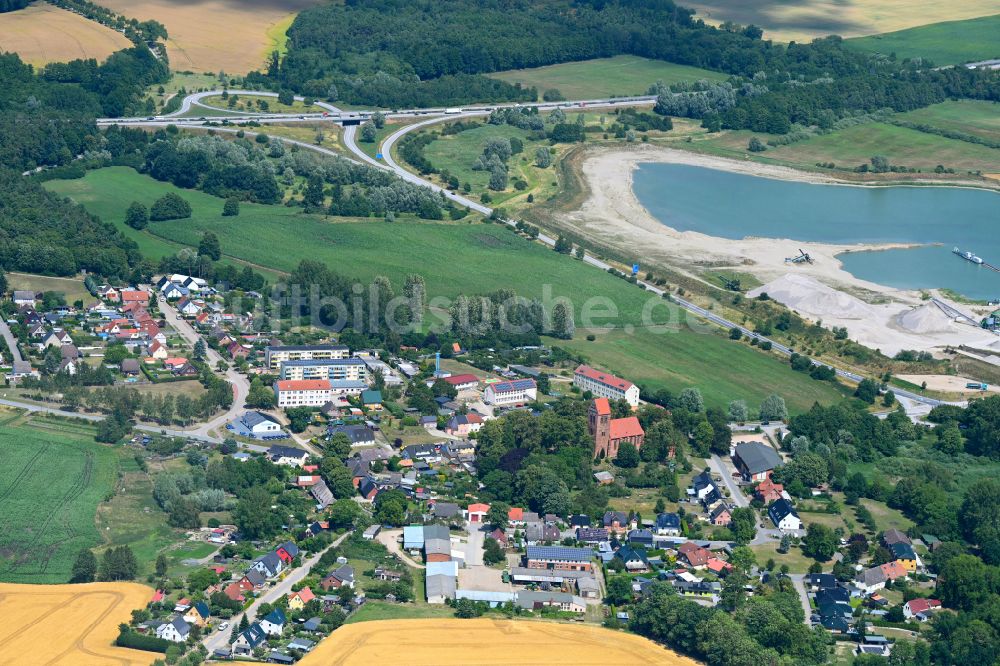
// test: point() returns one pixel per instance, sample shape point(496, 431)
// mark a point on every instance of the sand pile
point(813, 298)
point(927, 318)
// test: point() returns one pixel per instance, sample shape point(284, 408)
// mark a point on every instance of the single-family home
point(870, 580)
point(298, 600)
point(357, 435)
point(274, 622)
point(616, 521)
point(696, 556)
point(287, 551)
point(905, 555)
point(641, 537)
point(251, 638)
point(342, 576)
point(287, 455)
point(703, 488)
point(920, 609)
point(461, 425)
point(784, 516)
point(268, 564)
point(768, 491)
point(159, 351)
point(632, 558)
point(23, 297)
point(668, 524)
point(721, 515)
point(561, 600)
point(176, 631)
point(893, 536)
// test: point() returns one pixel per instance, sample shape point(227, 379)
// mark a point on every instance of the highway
point(439, 115)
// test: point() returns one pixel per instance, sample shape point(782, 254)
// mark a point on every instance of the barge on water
point(968, 256)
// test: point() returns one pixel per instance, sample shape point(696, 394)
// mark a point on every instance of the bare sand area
point(877, 316)
point(947, 384)
point(485, 642)
point(75, 625)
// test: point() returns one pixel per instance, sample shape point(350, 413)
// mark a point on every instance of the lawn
point(721, 369)
point(851, 147)
point(252, 103)
point(969, 116)
point(796, 561)
point(619, 76)
point(51, 482)
point(456, 154)
point(947, 43)
point(383, 610)
point(71, 288)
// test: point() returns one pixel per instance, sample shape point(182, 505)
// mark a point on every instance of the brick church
point(609, 433)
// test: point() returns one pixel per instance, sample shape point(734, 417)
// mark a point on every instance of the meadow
point(721, 369)
point(946, 43)
point(619, 76)
point(853, 146)
point(69, 624)
point(217, 35)
point(453, 642)
point(456, 153)
point(51, 482)
point(459, 257)
point(42, 33)
point(803, 21)
point(250, 103)
point(969, 116)
point(71, 288)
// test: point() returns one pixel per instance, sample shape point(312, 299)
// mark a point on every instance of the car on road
point(223, 626)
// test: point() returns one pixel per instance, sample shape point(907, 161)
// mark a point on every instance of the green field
point(969, 116)
point(71, 288)
point(721, 369)
point(851, 147)
point(52, 478)
point(383, 610)
point(619, 76)
point(948, 43)
point(456, 153)
point(462, 258)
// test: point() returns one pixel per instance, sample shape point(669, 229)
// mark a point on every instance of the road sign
point(635, 269)
point(378, 156)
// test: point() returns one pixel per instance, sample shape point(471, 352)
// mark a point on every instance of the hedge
point(130, 639)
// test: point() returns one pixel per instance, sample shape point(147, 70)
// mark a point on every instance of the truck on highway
point(453, 110)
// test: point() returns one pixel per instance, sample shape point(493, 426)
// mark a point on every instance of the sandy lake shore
point(612, 215)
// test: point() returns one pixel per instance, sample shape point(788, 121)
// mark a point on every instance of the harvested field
point(452, 642)
point(41, 34)
point(213, 35)
point(69, 624)
point(801, 21)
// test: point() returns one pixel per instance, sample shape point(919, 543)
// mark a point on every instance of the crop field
point(801, 21)
point(947, 43)
point(463, 258)
point(606, 77)
point(451, 642)
point(969, 116)
point(42, 33)
point(683, 358)
point(213, 35)
point(69, 624)
point(51, 481)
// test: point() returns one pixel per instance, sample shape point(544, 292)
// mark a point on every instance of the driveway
point(220, 639)
point(798, 581)
point(388, 539)
point(8, 335)
point(725, 471)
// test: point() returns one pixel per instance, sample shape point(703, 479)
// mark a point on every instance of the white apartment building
point(336, 369)
point(516, 392)
point(274, 356)
point(603, 385)
point(303, 392)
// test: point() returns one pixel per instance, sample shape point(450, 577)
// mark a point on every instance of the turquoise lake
point(731, 205)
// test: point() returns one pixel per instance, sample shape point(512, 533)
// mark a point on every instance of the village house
point(905, 556)
point(463, 383)
point(287, 455)
point(342, 576)
point(616, 521)
point(175, 631)
point(23, 297)
point(198, 614)
point(253, 637)
point(703, 488)
point(461, 425)
point(768, 491)
point(920, 609)
point(721, 515)
point(298, 600)
point(561, 600)
point(274, 622)
point(696, 556)
point(784, 516)
point(668, 524)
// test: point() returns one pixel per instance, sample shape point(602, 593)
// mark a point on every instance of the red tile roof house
point(500, 537)
point(134, 296)
point(515, 516)
point(465, 382)
point(768, 491)
point(920, 608)
point(694, 555)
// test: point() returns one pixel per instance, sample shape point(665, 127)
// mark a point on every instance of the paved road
point(719, 466)
point(219, 639)
point(798, 581)
point(240, 384)
point(8, 335)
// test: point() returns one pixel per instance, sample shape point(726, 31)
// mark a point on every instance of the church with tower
point(608, 433)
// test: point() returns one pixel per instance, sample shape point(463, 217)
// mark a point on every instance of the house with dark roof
point(252, 637)
point(905, 555)
point(755, 461)
point(357, 435)
point(784, 516)
point(703, 488)
point(668, 524)
point(274, 622)
point(894, 536)
point(269, 565)
point(591, 534)
point(615, 521)
point(175, 631)
point(641, 537)
point(558, 557)
point(632, 558)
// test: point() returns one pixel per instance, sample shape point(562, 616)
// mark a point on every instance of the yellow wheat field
point(70, 625)
point(41, 34)
point(485, 642)
point(802, 21)
point(233, 36)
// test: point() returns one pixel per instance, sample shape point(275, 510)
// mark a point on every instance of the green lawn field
point(464, 258)
point(52, 478)
point(856, 145)
point(456, 153)
point(721, 369)
point(948, 43)
point(619, 76)
point(969, 116)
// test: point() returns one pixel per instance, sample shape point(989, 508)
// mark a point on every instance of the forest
point(395, 53)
